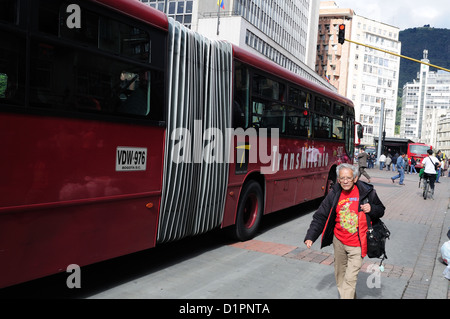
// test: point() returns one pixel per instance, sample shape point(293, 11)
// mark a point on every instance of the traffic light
point(341, 36)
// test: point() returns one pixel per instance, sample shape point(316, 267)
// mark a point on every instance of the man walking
point(413, 165)
point(362, 164)
point(401, 165)
point(382, 159)
point(342, 222)
point(438, 171)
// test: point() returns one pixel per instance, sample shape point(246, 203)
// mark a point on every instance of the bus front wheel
point(249, 213)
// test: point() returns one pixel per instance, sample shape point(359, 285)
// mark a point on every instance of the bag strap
point(369, 222)
point(432, 161)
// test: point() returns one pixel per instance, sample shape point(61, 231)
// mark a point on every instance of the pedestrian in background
point(342, 222)
point(448, 167)
point(401, 169)
point(413, 165)
point(438, 171)
point(388, 162)
point(394, 161)
point(382, 161)
point(362, 164)
point(370, 160)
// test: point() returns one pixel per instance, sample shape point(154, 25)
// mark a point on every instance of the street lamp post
point(380, 131)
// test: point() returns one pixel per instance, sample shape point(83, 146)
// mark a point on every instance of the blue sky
point(403, 14)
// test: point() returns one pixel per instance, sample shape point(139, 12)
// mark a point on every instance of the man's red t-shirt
point(346, 229)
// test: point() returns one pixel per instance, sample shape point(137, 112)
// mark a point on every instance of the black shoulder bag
point(376, 239)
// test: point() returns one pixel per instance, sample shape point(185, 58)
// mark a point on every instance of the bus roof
point(158, 19)
point(138, 10)
point(271, 67)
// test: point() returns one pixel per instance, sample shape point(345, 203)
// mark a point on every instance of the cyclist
point(430, 164)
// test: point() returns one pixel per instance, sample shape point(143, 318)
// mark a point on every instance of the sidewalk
point(419, 228)
point(413, 269)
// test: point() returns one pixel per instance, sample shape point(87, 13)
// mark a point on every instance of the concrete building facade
point(367, 76)
point(443, 134)
point(284, 31)
point(425, 100)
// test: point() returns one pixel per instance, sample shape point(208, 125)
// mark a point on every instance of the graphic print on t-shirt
point(348, 219)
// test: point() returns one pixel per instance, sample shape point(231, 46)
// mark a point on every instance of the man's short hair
point(351, 167)
point(430, 151)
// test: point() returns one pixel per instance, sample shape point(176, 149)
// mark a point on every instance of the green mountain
point(414, 41)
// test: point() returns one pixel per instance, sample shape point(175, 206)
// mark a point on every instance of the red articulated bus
point(121, 129)
point(419, 152)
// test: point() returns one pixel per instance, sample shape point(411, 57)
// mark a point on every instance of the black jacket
point(324, 219)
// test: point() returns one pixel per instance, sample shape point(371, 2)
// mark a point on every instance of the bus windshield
point(419, 149)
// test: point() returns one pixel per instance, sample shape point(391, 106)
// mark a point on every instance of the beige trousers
point(347, 263)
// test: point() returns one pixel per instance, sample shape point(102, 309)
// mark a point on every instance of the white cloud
point(403, 14)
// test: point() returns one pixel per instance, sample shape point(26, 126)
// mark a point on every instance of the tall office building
point(425, 100)
point(183, 11)
point(443, 134)
point(367, 76)
point(284, 31)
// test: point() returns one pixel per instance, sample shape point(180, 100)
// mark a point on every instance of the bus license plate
point(131, 159)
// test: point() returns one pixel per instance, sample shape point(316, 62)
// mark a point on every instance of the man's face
point(346, 180)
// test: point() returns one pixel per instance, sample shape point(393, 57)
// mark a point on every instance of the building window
point(180, 10)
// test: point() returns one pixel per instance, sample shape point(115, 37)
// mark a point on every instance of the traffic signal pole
point(399, 55)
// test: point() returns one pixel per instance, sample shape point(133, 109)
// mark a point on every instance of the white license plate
point(131, 159)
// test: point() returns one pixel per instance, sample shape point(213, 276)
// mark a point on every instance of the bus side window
point(8, 11)
point(273, 117)
point(3, 85)
point(76, 80)
point(12, 69)
point(134, 93)
point(298, 122)
point(241, 96)
point(322, 126)
point(338, 129)
point(257, 114)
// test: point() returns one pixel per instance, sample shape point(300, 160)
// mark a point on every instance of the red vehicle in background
point(112, 130)
point(419, 152)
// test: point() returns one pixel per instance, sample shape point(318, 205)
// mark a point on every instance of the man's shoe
point(438, 182)
point(392, 180)
point(402, 184)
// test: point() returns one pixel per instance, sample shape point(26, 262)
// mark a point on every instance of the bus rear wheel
point(249, 213)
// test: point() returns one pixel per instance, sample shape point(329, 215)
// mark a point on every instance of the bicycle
point(427, 192)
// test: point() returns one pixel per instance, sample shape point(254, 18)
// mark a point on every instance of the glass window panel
point(172, 6)
point(12, 68)
point(8, 11)
point(267, 88)
point(180, 7)
point(322, 126)
point(338, 129)
point(189, 6)
point(73, 80)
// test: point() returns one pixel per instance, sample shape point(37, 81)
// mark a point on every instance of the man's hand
point(366, 208)
point(308, 243)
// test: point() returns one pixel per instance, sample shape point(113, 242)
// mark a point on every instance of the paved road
point(276, 264)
